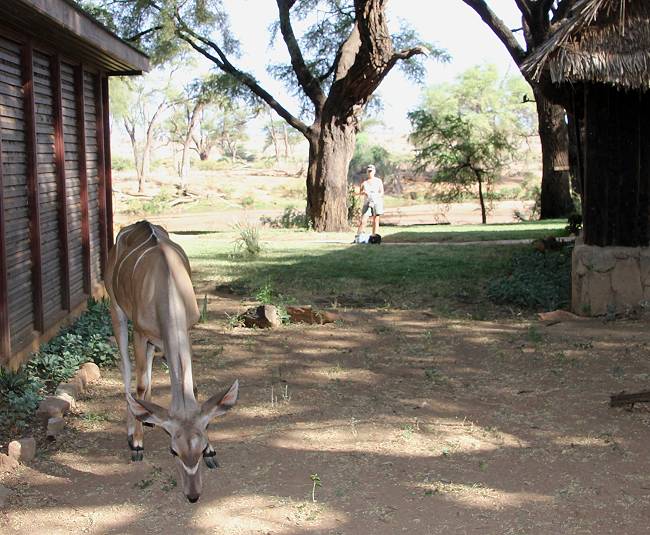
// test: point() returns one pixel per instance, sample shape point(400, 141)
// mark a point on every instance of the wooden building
point(55, 172)
point(597, 63)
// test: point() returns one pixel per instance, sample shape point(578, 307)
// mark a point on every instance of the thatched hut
point(597, 62)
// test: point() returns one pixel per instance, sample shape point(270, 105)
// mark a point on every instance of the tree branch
point(306, 79)
point(499, 28)
point(143, 33)
point(222, 62)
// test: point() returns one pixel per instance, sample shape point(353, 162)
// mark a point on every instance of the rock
point(74, 387)
point(309, 315)
point(68, 398)
point(262, 317)
point(92, 371)
point(54, 427)
point(557, 316)
point(4, 494)
point(52, 406)
point(80, 375)
point(23, 450)
point(7, 463)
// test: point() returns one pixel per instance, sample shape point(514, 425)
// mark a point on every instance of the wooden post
point(5, 333)
point(59, 160)
point(32, 184)
point(101, 172)
point(107, 163)
point(83, 174)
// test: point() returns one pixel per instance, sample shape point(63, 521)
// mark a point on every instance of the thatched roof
point(605, 41)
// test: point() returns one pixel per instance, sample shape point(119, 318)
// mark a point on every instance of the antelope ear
point(147, 412)
point(220, 404)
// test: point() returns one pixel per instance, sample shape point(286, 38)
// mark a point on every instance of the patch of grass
point(537, 281)
point(528, 230)
point(247, 243)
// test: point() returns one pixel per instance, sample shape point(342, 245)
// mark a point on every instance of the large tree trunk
point(556, 199)
point(329, 159)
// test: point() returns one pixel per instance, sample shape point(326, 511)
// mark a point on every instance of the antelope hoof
point(137, 452)
point(210, 460)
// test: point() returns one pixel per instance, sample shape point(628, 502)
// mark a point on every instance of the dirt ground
point(413, 424)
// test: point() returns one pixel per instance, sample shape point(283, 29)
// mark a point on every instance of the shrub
point(290, 218)
point(119, 163)
point(354, 205)
point(20, 394)
point(538, 281)
point(248, 241)
point(247, 201)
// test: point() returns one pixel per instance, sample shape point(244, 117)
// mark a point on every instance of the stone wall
point(609, 280)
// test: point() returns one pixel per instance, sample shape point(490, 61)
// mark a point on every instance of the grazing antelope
point(148, 280)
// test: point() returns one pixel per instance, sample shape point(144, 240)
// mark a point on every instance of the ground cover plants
point(56, 361)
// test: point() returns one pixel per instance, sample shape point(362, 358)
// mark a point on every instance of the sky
point(449, 24)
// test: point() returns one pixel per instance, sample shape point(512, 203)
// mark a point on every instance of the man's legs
point(363, 223)
point(375, 224)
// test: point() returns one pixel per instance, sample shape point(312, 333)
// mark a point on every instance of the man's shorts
point(372, 208)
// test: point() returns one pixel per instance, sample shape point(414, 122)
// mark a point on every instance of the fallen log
point(622, 399)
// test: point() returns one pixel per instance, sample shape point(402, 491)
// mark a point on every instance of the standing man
point(372, 188)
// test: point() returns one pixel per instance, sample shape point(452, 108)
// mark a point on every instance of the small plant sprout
point(203, 317)
point(315, 483)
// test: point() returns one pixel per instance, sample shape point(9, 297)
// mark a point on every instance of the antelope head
point(189, 439)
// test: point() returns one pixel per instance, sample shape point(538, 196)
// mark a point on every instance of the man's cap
point(370, 168)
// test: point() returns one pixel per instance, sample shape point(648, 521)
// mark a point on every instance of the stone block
point(262, 317)
point(52, 406)
point(74, 387)
point(601, 294)
point(68, 398)
point(92, 371)
point(307, 314)
point(80, 375)
point(54, 427)
point(23, 450)
point(7, 463)
point(626, 283)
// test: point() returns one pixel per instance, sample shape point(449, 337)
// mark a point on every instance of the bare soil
point(414, 424)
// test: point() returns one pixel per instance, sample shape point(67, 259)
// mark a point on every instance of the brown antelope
point(148, 280)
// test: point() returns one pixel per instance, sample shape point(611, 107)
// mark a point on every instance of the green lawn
point(447, 279)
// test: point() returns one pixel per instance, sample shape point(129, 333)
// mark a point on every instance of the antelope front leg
point(143, 357)
point(121, 331)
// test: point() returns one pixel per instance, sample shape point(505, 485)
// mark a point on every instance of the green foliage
point(468, 131)
point(247, 243)
point(290, 218)
point(56, 361)
point(267, 295)
point(538, 281)
point(366, 153)
point(354, 205)
point(20, 394)
point(574, 223)
point(119, 163)
point(156, 205)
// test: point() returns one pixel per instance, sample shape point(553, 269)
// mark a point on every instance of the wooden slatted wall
point(53, 237)
point(48, 192)
point(73, 183)
point(92, 167)
point(15, 196)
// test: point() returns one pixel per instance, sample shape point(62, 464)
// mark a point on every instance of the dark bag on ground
point(375, 238)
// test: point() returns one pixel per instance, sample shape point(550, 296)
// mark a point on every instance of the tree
point(469, 131)
point(537, 18)
point(336, 66)
point(139, 105)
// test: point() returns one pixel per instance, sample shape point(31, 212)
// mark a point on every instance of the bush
point(58, 360)
point(248, 241)
point(119, 163)
point(20, 394)
point(156, 205)
point(290, 218)
point(354, 205)
point(538, 281)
